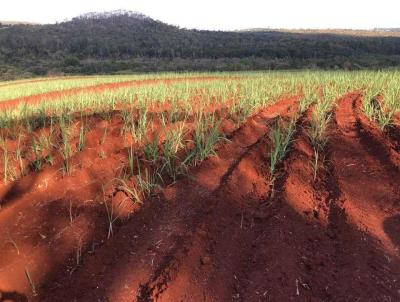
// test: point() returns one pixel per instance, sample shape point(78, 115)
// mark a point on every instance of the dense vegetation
point(126, 42)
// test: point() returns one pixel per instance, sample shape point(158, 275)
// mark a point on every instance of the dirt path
point(54, 95)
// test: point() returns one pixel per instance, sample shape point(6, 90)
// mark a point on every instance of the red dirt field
point(53, 95)
point(221, 234)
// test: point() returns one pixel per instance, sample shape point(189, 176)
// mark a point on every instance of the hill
point(128, 42)
point(9, 23)
point(376, 32)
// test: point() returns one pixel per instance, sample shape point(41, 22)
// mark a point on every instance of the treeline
point(121, 42)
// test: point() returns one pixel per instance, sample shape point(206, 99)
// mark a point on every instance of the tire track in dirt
point(53, 95)
point(164, 229)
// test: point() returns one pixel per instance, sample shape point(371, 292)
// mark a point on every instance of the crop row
point(32, 136)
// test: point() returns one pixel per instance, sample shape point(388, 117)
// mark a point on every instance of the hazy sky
point(221, 14)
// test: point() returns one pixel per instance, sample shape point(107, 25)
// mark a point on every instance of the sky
point(220, 14)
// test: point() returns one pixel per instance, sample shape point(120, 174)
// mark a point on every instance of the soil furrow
point(360, 210)
point(162, 224)
point(285, 256)
point(194, 254)
point(215, 265)
point(375, 141)
point(220, 234)
point(313, 248)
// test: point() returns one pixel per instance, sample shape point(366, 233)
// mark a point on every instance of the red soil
point(221, 234)
point(396, 118)
point(53, 95)
point(392, 133)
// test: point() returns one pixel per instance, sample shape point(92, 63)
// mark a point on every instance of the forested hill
point(126, 42)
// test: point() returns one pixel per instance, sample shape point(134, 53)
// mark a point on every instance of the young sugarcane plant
point(18, 155)
point(82, 134)
point(6, 160)
point(31, 282)
point(317, 130)
point(374, 109)
point(130, 191)
point(170, 161)
point(147, 181)
point(151, 150)
point(370, 104)
point(384, 118)
point(318, 134)
point(110, 216)
point(206, 135)
point(104, 136)
point(315, 163)
point(131, 161)
point(66, 150)
point(281, 136)
point(37, 162)
point(139, 131)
